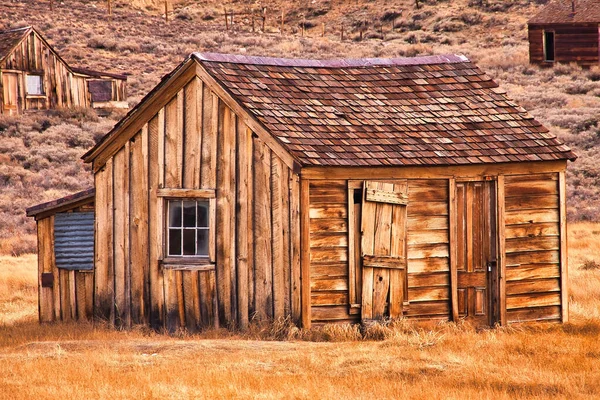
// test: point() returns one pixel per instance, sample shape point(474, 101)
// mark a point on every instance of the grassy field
point(396, 361)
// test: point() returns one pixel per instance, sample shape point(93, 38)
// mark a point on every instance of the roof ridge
point(329, 63)
point(17, 29)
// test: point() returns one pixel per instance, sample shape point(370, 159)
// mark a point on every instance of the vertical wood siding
point(70, 296)
point(532, 247)
point(196, 141)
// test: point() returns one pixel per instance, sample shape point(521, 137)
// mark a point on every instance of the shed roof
point(561, 12)
point(10, 38)
point(64, 203)
point(434, 110)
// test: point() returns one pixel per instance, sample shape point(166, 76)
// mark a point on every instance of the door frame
point(18, 97)
point(495, 275)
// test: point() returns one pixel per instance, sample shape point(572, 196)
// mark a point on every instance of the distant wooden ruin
point(338, 191)
point(33, 76)
point(566, 31)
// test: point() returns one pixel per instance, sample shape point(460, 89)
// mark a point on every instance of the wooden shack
point(338, 191)
point(33, 76)
point(65, 231)
point(566, 31)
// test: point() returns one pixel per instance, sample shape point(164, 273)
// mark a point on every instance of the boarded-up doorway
point(10, 93)
point(383, 249)
point(476, 264)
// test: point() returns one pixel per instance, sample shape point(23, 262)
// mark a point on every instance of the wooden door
point(476, 253)
point(10, 93)
point(383, 249)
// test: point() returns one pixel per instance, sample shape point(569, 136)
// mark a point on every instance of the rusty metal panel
point(100, 90)
point(74, 240)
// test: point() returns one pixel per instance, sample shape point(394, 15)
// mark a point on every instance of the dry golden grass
point(397, 360)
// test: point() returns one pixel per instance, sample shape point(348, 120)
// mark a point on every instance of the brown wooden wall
point(532, 247)
point(573, 43)
point(196, 142)
point(529, 244)
point(70, 296)
point(62, 88)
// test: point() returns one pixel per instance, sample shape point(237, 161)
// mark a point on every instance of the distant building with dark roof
point(338, 191)
point(566, 31)
point(35, 77)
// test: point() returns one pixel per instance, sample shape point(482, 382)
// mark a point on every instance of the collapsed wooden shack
point(566, 31)
point(33, 76)
point(332, 191)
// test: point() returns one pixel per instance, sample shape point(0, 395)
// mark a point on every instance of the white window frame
point(182, 228)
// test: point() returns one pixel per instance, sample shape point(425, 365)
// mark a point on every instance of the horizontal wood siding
point(532, 247)
point(195, 141)
point(428, 249)
point(329, 252)
point(573, 43)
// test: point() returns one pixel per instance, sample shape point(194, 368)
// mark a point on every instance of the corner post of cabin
point(305, 252)
point(453, 223)
point(564, 292)
point(501, 226)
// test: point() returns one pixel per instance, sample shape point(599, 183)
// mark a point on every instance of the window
point(34, 85)
point(548, 46)
point(100, 91)
point(188, 228)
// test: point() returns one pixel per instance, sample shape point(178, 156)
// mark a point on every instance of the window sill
point(35, 96)
point(187, 264)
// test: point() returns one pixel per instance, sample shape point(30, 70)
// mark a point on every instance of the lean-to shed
point(328, 191)
point(33, 76)
point(566, 31)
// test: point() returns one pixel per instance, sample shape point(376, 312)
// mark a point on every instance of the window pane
point(174, 213)
point(34, 84)
point(174, 242)
point(189, 242)
point(189, 214)
point(202, 243)
point(203, 213)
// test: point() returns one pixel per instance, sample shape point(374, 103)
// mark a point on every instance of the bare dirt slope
point(39, 152)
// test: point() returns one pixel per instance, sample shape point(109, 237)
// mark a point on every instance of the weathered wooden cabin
point(327, 191)
point(566, 31)
point(33, 76)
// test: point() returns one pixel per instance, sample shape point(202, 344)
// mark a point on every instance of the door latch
point(491, 264)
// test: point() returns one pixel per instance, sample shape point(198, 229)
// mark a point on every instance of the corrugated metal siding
point(74, 240)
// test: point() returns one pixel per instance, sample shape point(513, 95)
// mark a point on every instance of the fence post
point(226, 20)
point(264, 19)
point(281, 28)
point(342, 34)
point(166, 11)
point(109, 8)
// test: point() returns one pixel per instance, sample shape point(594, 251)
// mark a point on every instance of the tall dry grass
point(390, 360)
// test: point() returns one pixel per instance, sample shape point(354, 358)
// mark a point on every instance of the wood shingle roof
point(436, 110)
point(561, 12)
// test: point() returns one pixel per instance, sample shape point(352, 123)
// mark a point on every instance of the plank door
point(383, 249)
point(476, 253)
point(10, 93)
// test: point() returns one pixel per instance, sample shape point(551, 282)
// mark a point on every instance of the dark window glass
point(174, 214)
point(175, 242)
point(189, 242)
point(202, 214)
point(189, 214)
point(202, 242)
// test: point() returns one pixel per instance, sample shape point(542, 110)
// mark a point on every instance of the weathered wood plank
point(529, 202)
point(155, 224)
point(191, 135)
point(173, 143)
point(244, 220)
point(564, 259)
point(532, 286)
point(532, 230)
point(537, 243)
point(328, 225)
point(305, 255)
point(329, 284)
point(121, 236)
point(534, 314)
point(328, 211)
point(138, 225)
point(531, 216)
point(416, 208)
point(431, 264)
point(45, 234)
point(428, 294)
point(172, 319)
point(320, 239)
point(416, 251)
point(277, 213)
point(328, 254)
point(532, 257)
point(104, 278)
point(330, 313)
point(530, 187)
point(287, 245)
point(263, 273)
point(337, 269)
point(428, 236)
point(533, 300)
point(533, 271)
point(424, 223)
point(189, 296)
point(226, 183)
point(428, 279)
point(428, 309)
point(453, 242)
point(328, 298)
point(327, 195)
point(295, 246)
